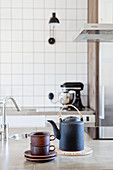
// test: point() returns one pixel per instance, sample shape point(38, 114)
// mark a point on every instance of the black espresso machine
point(70, 95)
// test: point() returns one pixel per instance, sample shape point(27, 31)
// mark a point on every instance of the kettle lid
point(71, 119)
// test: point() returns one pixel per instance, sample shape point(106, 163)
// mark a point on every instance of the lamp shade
point(53, 20)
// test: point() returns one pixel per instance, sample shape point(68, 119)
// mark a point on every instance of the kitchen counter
point(11, 155)
point(45, 111)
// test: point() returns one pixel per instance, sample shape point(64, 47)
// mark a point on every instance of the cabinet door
point(105, 11)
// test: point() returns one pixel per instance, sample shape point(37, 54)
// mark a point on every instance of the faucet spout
point(4, 102)
point(14, 101)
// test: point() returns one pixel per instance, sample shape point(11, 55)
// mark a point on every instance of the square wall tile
point(39, 25)
point(28, 79)
point(5, 3)
point(27, 68)
point(49, 57)
point(49, 48)
point(38, 68)
point(82, 58)
point(17, 80)
point(39, 4)
point(39, 58)
point(27, 13)
point(60, 57)
point(28, 101)
point(38, 90)
point(50, 4)
point(17, 57)
point(60, 47)
point(27, 25)
point(71, 78)
point(38, 36)
point(50, 69)
point(5, 13)
point(16, 46)
point(5, 24)
point(16, 68)
point(71, 25)
point(16, 13)
point(39, 14)
point(39, 101)
point(28, 90)
point(49, 79)
point(5, 46)
point(5, 57)
point(82, 68)
point(81, 14)
point(81, 47)
point(60, 68)
point(5, 90)
point(39, 47)
point(16, 24)
point(60, 36)
point(71, 68)
point(71, 47)
point(5, 79)
point(5, 68)
point(71, 14)
point(16, 36)
point(27, 4)
point(16, 4)
point(71, 58)
point(5, 35)
point(71, 4)
point(39, 79)
point(28, 36)
point(27, 46)
point(82, 4)
point(28, 57)
point(17, 90)
point(60, 4)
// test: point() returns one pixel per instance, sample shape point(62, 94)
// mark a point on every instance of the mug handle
point(53, 148)
point(53, 137)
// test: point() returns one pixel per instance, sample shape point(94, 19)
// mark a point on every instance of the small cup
point(41, 138)
point(41, 150)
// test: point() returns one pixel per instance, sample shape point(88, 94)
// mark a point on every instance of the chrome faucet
point(4, 125)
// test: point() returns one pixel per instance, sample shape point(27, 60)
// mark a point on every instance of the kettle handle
point(59, 113)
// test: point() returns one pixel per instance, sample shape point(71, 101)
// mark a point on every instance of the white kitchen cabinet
point(25, 121)
point(105, 11)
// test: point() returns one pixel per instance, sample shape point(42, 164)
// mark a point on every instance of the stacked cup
point(40, 143)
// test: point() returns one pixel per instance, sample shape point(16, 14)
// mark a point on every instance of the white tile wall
point(30, 67)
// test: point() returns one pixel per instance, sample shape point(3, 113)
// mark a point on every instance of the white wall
point(29, 66)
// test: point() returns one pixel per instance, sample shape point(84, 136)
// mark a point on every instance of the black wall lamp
point(54, 21)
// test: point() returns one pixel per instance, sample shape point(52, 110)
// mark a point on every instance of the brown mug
point(41, 138)
point(41, 150)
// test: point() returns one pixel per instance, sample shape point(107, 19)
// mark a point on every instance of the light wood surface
point(93, 49)
point(86, 151)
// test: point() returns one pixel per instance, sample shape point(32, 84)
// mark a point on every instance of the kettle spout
point(55, 129)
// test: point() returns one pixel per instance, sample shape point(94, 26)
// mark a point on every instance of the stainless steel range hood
point(96, 33)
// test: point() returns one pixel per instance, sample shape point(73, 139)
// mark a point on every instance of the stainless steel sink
point(19, 136)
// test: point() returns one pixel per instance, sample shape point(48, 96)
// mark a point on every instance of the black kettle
point(70, 132)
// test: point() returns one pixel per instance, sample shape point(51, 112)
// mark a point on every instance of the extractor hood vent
point(95, 33)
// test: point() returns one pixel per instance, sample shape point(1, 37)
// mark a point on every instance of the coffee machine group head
point(68, 88)
point(70, 95)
